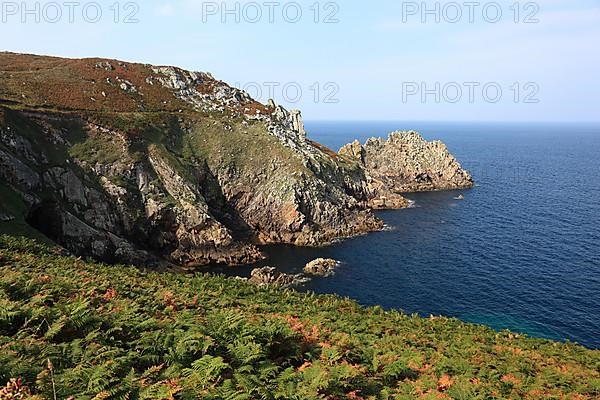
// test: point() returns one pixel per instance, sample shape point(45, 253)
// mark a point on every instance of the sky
point(348, 60)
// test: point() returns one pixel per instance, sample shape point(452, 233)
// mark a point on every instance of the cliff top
point(96, 84)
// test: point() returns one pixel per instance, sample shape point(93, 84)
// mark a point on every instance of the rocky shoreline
point(140, 164)
point(406, 163)
point(272, 277)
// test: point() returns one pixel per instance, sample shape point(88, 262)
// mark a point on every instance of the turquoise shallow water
point(522, 251)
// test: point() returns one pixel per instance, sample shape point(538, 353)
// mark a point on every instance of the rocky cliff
point(404, 163)
point(135, 163)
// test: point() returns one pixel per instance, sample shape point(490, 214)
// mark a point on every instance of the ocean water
point(520, 252)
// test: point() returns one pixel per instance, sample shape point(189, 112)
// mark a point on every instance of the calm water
point(520, 252)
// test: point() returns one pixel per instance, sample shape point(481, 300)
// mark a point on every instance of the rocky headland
point(140, 164)
point(405, 163)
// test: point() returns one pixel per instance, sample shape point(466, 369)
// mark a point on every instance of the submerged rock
point(270, 276)
point(321, 267)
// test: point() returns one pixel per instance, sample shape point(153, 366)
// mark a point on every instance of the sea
point(521, 251)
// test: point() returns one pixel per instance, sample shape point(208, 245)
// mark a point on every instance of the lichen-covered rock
point(270, 276)
point(404, 163)
point(321, 267)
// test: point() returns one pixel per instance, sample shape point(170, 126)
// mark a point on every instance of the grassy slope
point(115, 332)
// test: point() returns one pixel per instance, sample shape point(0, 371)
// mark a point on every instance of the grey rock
point(270, 276)
point(297, 123)
point(68, 184)
point(127, 86)
point(20, 146)
point(405, 163)
point(105, 65)
point(321, 267)
point(17, 173)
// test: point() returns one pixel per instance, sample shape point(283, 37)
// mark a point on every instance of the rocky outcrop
point(15, 171)
point(270, 276)
point(321, 267)
point(183, 175)
point(297, 123)
point(141, 164)
point(405, 163)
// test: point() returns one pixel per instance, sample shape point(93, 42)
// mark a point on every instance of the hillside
point(146, 164)
point(72, 328)
point(127, 162)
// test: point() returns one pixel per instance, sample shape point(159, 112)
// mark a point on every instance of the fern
point(229, 340)
point(207, 369)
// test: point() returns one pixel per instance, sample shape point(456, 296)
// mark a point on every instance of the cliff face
point(404, 163)
point(133, 163)
point(136, 163)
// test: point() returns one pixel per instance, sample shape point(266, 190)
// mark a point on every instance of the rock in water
point(168, 164)
point(321, 267)
point(270, 276)
point(405, 163)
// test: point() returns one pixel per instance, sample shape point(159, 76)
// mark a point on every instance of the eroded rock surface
point(404, 163)
point(270, 276)
point(321, 267)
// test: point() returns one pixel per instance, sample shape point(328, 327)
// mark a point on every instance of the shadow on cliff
point(222, 208)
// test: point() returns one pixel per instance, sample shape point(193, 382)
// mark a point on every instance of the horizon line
point(457, 121)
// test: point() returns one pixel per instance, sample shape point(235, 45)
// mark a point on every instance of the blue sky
point(372, 64)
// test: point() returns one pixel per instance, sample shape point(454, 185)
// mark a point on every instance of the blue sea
point(520, 252)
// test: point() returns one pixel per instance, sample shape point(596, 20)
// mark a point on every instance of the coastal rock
point(21, 146)
point(354, 150)
point(321, 267)
point(297, 123)
point(177, 165)
point(405, 163)
point(18, 173)
point(270, 276)
point(198, 238)
point(70, 187)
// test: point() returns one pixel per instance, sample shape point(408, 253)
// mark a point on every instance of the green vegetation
point(12, 203)
point(75, 328)
point(98, 148)
point(232, 145)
